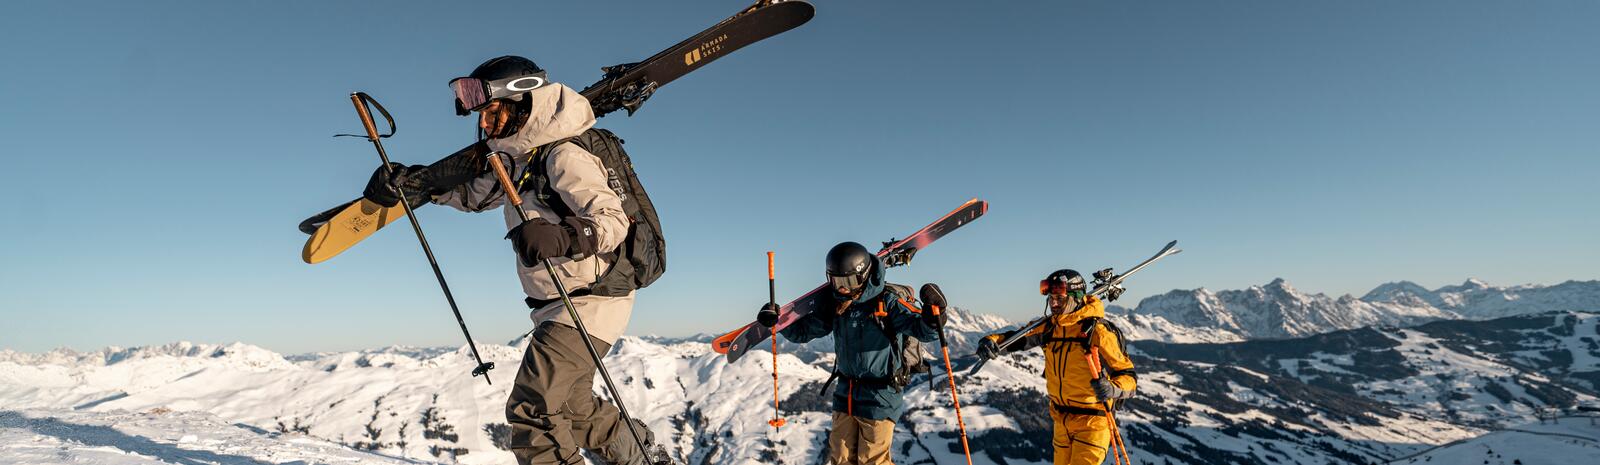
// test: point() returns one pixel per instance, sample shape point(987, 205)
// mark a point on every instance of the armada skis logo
point(705, 50)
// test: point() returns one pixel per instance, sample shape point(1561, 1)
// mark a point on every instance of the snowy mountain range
point(1278, 310)
point(1442, 391)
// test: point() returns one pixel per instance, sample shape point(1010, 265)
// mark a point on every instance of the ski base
point(354, 222)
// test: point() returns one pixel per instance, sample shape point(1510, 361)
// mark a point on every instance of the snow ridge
point(1278, 310)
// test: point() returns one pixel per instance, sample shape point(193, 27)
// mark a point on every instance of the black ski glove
point(1106, 390)
point(536, 240)
point(988, 348)
point(768, 316)
point(932, 297)
point(411, 180)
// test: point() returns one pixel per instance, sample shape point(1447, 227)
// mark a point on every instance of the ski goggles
point(848, 284)
point(472, 94)
point(1055, 287)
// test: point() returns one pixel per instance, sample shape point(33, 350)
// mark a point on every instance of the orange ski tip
point(722, 344)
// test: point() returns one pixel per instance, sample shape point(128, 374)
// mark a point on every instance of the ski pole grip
point(499, 172)
point(771, 272)
point(366, 115)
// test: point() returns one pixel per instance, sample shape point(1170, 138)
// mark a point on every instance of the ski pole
point(1116, 434)
point(772, 297)
point(360, 100)
point(956, 398)
point(566, 299)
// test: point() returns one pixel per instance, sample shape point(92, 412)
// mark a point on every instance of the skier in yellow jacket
point(1076, 325)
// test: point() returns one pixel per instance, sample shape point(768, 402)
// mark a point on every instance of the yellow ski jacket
point(1066, 340)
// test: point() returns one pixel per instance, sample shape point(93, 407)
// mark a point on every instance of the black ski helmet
point(849, 266)
point(508, 76)
point(1063, 281)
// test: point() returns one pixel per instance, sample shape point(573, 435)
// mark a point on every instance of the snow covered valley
point(1445, 391)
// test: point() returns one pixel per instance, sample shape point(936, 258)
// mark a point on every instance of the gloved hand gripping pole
point(566, 299)
point(360, 100)
point(955, 398)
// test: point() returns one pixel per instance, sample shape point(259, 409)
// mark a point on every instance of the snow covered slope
point(1364, 395)
point(1561, 441)
point(1278, 310)
point(1475, 299)
point(158, 437)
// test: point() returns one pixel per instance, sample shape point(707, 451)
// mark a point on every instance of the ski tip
point(723, 343)
point(801, 11)
point(983, 206)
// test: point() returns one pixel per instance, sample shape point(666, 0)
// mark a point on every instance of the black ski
point(628, 85)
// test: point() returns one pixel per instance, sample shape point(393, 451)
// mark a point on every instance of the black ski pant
point(553, 411)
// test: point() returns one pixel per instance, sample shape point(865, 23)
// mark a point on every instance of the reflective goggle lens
point(471, 94)
point(847, 285)
point(1053, 287)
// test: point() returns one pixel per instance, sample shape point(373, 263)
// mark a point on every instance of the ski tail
point(310, 225)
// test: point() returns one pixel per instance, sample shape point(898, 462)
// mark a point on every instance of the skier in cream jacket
point(552, 409)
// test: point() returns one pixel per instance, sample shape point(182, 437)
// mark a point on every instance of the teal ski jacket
point(865, 358)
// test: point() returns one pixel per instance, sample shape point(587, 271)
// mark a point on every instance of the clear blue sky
point(158, 155)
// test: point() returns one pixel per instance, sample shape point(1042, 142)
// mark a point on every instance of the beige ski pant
point(859, 441)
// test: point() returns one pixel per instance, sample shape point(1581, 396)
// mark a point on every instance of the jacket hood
point(556, 112)
point(875, 282)
point(1094, 308)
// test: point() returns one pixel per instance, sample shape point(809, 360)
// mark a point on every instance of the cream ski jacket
point(559, 113)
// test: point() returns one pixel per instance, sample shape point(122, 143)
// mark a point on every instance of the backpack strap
point(829, 382)
point(538, 172)
point(545, 193)
point(1086, 331)
point(897, 344)
point(1122, 344)
point(1088, 326)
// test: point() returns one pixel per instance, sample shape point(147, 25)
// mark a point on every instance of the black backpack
point(642, 257)
point(912, 360)
point(1087, 327)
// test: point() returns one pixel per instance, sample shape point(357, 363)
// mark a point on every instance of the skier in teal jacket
point(865, 314)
